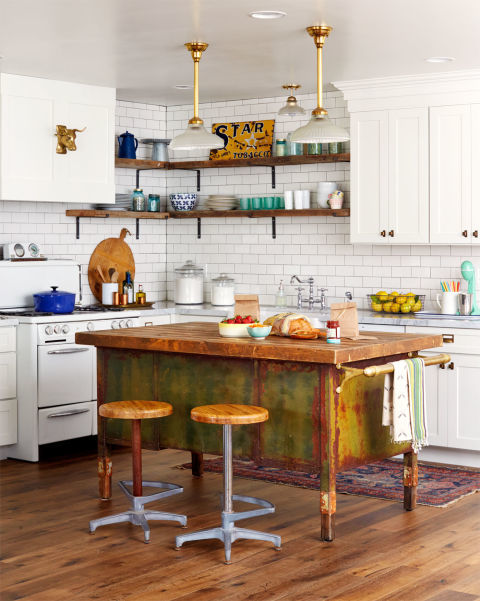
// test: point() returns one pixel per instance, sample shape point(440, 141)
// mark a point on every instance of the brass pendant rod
point(195, 89)
point(196, 49)
point(319, 76)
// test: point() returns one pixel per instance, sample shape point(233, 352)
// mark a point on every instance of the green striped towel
point(418, 413)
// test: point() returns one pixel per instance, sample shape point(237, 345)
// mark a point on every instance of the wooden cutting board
point(111, 252)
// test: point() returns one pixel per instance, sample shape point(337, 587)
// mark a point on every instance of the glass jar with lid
point(223, 290)
point(188, 284)
point(138, 200)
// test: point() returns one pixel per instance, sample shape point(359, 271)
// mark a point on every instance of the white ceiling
point(137, 45)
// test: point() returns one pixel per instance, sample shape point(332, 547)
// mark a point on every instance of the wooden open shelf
point(223, 164)
point(116, 214)
point(261, 213)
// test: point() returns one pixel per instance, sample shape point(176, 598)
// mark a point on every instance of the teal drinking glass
point(256, 202)
point(279, 202)
point(268, 202)
point(245, 204)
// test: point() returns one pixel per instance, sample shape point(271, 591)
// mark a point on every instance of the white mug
point(323, 191)
point(288, 195)
point(448, 302)
point(298, 199)
point(107, 292)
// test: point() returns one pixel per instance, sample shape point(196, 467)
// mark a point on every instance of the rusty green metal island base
point(312, 427)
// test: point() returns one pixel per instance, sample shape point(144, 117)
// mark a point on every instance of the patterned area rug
point(438, 486)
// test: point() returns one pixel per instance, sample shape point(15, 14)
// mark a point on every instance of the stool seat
point(229, 414)
point(135, 409)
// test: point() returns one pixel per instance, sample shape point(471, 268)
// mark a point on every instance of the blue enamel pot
point(54, 301)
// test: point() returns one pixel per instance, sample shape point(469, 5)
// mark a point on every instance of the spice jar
point(153, 202)
point(281, 147)
point(333, 332)
point(138, 200)
point(189, 284)
point(223, 290)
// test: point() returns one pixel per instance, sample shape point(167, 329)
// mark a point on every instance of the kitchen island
point(314, 426)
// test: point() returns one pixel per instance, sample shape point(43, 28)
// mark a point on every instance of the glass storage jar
point(138, 200)
point(223, 290)
point(188, 284)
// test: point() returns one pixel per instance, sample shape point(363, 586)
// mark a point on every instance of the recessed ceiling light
point(440, 59)
point(183, 86)
point(267, 14)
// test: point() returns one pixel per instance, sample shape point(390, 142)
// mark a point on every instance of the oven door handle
point(69, 351)
point(67, 413)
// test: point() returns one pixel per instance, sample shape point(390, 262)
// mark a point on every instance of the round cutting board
point(111, 252)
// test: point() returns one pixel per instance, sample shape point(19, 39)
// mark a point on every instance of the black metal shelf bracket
point(273, 177)
point(199, 228)
point(137, 179)
point(198, 180)
point(274, 227)
point(77, 228)
point(137, 228)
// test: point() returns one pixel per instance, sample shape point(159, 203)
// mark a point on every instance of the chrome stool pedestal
point(137, 515)
point(228, 532)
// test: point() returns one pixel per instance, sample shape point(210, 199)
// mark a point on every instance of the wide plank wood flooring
point(381, 553)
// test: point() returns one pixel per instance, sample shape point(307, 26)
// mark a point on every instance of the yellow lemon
point(387, 307)
point(417, 306)
point(394, 293)
point(401, 299)
point(405, 308)
point(395, 307)
point(410, 301)
point(383, 298)
point(390, 297)
point(377, 307)
point(410, 294)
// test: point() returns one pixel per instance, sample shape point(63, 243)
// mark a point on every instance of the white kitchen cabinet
point(154, 320)
point(8, 386)
point(451, 174)
point(475, 223)
point(30, 168)
point(389, 188)
point(452, 392)
point(187, 318)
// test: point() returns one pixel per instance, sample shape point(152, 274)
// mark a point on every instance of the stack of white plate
point(123, 202)
point(220, 202)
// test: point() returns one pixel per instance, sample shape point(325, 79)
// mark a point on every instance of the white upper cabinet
point(450, 174)
point(415, 152)
point(389, 171)
point(30, 168)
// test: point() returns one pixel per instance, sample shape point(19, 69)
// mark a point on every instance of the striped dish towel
point(404, 408)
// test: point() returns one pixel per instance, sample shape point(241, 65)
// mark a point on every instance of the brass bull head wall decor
point(66, 138)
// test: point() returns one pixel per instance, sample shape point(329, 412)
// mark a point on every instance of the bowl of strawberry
point(236, 327)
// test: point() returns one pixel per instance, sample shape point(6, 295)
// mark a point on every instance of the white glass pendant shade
point(196, 137)
point(292, 109)
point(319, 130)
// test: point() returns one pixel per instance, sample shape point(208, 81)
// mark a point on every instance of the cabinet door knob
point(442, 366)
point(383, 233)
point(465, 234)
point(391, 233)
point(475, 234)
point(447, 338)
point(451, 365)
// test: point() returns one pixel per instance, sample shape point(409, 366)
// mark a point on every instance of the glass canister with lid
point(223, 290)
point(188, 284)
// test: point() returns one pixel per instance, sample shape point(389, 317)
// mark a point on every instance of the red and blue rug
point(438, 486)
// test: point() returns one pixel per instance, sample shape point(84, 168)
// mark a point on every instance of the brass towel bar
point(377, 370)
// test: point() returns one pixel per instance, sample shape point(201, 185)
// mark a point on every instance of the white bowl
point(233, 330)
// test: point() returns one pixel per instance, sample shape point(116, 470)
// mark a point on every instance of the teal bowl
point(260, 333)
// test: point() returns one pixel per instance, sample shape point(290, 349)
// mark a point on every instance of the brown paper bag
point(247, 304)
point(346, 314)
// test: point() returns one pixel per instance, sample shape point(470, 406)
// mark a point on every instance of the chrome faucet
point(322, 300)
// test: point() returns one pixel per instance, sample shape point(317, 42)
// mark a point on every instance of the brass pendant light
point(196, 137)
point(292, 108)
point(319, 128)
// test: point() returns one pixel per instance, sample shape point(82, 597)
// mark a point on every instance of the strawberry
point(247, 319)
point(238, 319)
point(231, 320)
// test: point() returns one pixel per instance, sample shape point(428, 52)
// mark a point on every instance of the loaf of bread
point(293, 325)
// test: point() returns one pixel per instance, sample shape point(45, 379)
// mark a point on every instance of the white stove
point(56, 378)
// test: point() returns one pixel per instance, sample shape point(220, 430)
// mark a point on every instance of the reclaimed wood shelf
point(105, 214)
point(272, 162)
point(199, 215)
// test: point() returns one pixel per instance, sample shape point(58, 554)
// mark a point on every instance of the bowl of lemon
point(396, 302)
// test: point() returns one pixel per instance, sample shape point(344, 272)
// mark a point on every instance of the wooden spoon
point(100, 272)
point(111, 271)
point(114, 276)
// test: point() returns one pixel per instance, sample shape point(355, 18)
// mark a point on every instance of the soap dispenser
point(280, 297)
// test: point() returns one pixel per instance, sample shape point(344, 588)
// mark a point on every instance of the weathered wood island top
point(311, 427)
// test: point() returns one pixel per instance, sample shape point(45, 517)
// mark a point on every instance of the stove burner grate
point(86, 309)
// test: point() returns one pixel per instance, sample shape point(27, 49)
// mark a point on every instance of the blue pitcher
point(127, 146)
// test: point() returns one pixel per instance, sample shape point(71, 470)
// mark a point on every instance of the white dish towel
point(404, 409)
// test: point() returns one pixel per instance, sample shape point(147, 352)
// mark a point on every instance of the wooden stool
point(136, 411)
point(227, 415)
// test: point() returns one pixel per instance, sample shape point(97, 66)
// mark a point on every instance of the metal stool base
point(228, 533)
point(137, 515)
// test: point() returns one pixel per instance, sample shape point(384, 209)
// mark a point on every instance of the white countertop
point(365, 316)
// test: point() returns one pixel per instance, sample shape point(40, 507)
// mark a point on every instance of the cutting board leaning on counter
point(325, 414)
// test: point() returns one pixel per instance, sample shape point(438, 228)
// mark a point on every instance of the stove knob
point(90, 326)
point(65, 329)
point(129, 323)
point(57, 329)
point(49, 330)
point(122, 324)
point(115, 325)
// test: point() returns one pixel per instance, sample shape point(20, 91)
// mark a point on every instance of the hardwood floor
point(381, 553)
